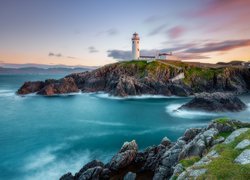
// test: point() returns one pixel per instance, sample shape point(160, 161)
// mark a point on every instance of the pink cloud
point(175, 32)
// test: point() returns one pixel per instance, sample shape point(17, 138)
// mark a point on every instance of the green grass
point(189, 161)
point(224, 167)
point(222, 120)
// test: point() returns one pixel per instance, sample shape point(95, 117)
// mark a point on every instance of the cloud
point(122, 55)
point(112, 31)
point(175, 32)
point(157, 30)
point(152, 19)
point(220, 46)
point(92, 49)
point(109, 32)
point(51, 54)
point(190, 56)
point(119, 54)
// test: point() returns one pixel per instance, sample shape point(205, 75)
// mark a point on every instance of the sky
point(98, 32)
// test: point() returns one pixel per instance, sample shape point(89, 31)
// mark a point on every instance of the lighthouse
point(135, 46)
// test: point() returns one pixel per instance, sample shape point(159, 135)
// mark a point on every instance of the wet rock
point(125, 156)
point(168, 160)
point(129, 176)
point(67, 176)
point(215, 102)
point(235, 134)
point(243, 158)
point(243, 144)
point(91, 173)
point(165, 141)
point(89, 165)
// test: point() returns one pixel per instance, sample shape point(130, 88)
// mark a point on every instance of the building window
point(137, 42)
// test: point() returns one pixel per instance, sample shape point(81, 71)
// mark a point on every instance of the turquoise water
point(45, 137)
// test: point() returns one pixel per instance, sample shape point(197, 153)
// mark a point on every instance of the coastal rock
point(62, 86)
point(165, 141)
point(169, 159)
point(30, 87)
point(244, 157)
point(130, 176)
point(89, 165)
point(199, 144)
point(243, 144)
point(215, 102)
point(124, 157)
point(235, 134)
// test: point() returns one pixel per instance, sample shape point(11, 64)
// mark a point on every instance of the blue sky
point(91, 32)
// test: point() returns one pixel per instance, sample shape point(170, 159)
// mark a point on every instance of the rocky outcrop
point(244, 157)
point(164, 161)
point(139, 77)
point(30, 87)
point(215, 102)
point(49, 87)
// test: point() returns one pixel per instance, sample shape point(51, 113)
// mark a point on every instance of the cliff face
point(140, 77)
point(218, 151)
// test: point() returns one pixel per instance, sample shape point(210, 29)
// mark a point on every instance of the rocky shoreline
point(189, 157)
point(139, 77)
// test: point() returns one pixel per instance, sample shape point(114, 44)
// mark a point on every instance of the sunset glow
point(95, 33)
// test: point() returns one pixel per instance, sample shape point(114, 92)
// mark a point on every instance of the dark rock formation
point(158, 162)
point(49, 87)
point(140, 77)
point(217, 102)
point(31, 87)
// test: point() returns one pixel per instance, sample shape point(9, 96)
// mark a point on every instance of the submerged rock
point(215, 102)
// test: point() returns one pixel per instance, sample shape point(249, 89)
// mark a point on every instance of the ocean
point(46, 137)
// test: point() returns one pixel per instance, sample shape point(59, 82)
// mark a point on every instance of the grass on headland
point(224, 167)
point(189, 161)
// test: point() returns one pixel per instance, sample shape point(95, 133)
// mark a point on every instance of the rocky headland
point(215, 102)
point(220, 150)
point(156, 78)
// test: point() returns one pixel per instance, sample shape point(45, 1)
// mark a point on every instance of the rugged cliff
point(140, 77)
point(218, 151)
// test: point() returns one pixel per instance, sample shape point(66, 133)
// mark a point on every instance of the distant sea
point(45, 137)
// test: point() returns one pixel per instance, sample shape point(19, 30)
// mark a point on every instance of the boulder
point(215, 102)
point(168, 160)
point(235, 134)
point(199, 144)
point(243, 144)
point(243, 158)
point(124, 157)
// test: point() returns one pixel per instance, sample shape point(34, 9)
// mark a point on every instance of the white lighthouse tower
point(135, 46)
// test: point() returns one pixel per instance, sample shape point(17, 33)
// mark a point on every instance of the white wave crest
point(145, 96)
point(172, 110)
point(6, 93)
point(105, 123)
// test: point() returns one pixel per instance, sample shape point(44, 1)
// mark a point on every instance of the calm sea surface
point(45, 137)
